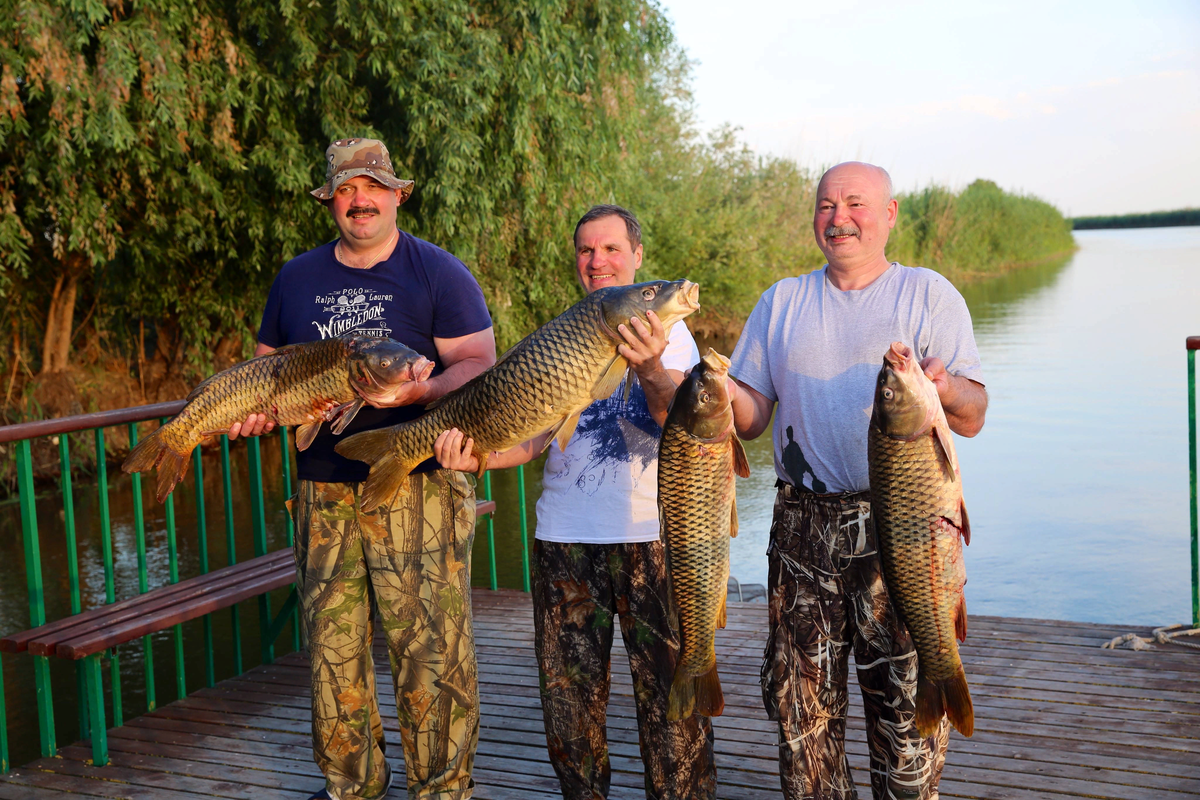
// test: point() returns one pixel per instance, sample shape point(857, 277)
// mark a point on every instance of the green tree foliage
point(156, 158)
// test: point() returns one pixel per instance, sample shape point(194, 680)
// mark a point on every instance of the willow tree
point(155, 158)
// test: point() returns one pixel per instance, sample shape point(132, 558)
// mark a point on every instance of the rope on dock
point(1158, 635)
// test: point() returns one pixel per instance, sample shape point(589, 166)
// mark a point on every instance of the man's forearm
point(453, 377)
point(659, 387)
point(965, 412)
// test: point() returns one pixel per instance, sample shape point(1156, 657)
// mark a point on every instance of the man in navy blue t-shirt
point(409, 561)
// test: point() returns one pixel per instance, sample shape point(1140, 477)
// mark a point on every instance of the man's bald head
point(854, 214)
point(863, 167)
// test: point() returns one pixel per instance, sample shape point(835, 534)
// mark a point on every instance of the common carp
point(541, 384)
point(300, 384)
point(698, 455)
point(921, 522)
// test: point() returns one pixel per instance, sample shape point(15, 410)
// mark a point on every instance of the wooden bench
point(95, 631)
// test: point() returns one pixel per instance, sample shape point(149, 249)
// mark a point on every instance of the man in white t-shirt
point(814, 345)
point(598, 554)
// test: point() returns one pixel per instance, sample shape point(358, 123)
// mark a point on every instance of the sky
point(1093, 106)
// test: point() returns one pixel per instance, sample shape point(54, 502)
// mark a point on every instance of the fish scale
point(298, 384)
point(695, 484)
point(922, 555)
point(544, 381)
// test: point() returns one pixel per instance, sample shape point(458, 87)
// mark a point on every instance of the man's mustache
point(362, 210)
point(841, 230)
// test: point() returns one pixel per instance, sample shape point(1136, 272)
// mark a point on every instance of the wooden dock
point(1056, 717)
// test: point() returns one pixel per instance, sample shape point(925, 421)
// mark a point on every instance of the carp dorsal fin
point(608, 382)
point(741, 466)
point(343, 414)
point(306, 433)
point(733, 523)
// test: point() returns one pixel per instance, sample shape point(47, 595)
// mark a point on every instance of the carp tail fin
point(146, 454)
point(153, 452)
point(710, 700)
point(682, 699)
point(950, 698)
point(388, 474)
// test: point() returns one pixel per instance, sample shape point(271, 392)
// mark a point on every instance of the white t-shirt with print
point(603, 489)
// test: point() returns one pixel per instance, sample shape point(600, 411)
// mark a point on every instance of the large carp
point(299, 384)
point(921, 522)
point(698, 455)
point(541, 384)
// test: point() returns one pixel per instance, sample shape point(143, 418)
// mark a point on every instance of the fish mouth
point(715, 361)
point(421, 369)
point(691, 295)
point(898, 355)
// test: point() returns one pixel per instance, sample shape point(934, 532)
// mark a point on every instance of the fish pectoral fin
point(960, 619)
point(722, 614)
point(343, 414)
point(608, 382)
point(741, 465)
point(305, 434)
point(483, 459)
point(563, 431)
point(943, 443)
point(966, 522)
point(628, 384)
point(733, 523)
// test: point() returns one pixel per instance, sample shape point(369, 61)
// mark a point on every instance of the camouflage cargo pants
point(827, 596)
point(577, 590)
point(410, 565)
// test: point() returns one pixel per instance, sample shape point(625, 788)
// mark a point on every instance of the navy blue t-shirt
point(419, 292)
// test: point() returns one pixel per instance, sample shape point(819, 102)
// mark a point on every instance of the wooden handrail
point(86, 422)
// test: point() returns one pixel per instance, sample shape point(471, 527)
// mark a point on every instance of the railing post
point(173, 566)
point(491, 533)
point(64, 473)
point(210, 672)
point(524, 526)
point(139, 529)
point(258, 522)
point(110, 590)
point(1193, 344)
point(37, 609)
point(95, 704)
point(285, 452)
point(231, 549)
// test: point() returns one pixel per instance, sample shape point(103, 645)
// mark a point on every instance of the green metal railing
point(1193, 344)
point(89, 677)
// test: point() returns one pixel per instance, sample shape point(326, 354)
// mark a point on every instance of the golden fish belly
point(696, 492)
point(913, 501)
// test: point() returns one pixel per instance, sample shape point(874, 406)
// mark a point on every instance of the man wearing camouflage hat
point(410, 561)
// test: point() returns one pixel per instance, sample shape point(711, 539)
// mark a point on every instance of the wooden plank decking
point(1056, 717)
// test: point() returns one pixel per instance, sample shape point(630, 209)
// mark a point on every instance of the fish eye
point(704, 397)
point(888, 394)
point(648, 294)
point(385, 363)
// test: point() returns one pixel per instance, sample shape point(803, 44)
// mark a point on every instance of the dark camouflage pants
point(827, 596)
point(577, 590)
point(410, 565)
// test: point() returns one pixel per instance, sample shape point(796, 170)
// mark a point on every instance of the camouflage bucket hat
point(349, 158)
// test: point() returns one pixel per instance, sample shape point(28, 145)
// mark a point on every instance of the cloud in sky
point(1093, 106)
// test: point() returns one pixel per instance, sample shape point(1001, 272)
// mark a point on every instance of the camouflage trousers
point(827, 596)
point(577, 591)
point(408, 565)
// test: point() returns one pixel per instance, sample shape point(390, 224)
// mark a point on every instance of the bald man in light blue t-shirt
point(810, 353)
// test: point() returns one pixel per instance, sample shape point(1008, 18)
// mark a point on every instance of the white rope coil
point(1165, 635)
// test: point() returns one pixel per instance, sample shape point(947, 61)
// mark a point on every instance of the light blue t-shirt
point(817, 351)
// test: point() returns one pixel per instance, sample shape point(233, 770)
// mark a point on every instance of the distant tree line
point(155, 163)
point(1154, 219)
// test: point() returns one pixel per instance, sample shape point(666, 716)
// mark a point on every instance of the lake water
point(1077, 486)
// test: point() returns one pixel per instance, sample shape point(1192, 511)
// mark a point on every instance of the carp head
point(701, 405)
point(906, 402)
point(670, 300)
point(379, 364)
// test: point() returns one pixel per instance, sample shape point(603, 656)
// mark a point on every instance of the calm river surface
point(1077, 486)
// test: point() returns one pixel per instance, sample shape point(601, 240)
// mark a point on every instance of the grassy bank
point(1154, 219)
